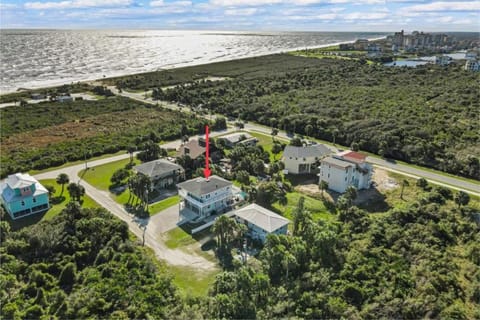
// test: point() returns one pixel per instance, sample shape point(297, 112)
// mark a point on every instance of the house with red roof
point(344, 169)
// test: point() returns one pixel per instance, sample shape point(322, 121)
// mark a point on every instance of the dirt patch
point(383, 181)
point(313, 191)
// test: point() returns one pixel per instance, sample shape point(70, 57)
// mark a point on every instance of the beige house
point(305, 159)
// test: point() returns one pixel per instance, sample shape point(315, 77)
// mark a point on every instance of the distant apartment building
point(420, 40)
point(346, 169)
point(442, 60)
point(471, 55)
point(472, 65)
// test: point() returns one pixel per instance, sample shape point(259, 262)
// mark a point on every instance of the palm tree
point(334, 135)
point(309, 130)
point(225, 229)
point(404, 184)
point(274, 133)
point(131, 150)
point(351, 194)
point(62, 180)
point(323, 186)
point(76, 191)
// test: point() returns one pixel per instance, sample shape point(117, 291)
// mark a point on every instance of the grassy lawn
point(178, 237)
point(72, 163)
point(99, 176)
point(192, 281)
point(316, 207)
point(54, 210)
point(164, 204)
point(267, 143)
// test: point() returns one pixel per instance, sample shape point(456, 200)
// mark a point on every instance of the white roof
point(20, 180)
point(261, 217)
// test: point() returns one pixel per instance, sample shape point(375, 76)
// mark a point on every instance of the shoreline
point(56, 83)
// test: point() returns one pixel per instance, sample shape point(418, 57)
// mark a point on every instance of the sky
point(261, 15)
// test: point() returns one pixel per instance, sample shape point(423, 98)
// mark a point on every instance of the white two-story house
point(205, 197)
point(345, 169)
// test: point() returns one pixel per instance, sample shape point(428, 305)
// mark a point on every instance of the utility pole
point(143, 236)
point(85, 154)
point(245, 250)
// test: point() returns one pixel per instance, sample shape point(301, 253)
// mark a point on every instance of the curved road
point(103, 198)
point(439, 179)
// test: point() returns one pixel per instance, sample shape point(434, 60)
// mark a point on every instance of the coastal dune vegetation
point(419, 261)
point(52, 133)
point(426, 115)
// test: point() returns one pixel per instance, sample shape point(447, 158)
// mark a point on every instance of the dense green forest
point(426, 115)
point(81, 264)
point(421, 261)
point(52, 133)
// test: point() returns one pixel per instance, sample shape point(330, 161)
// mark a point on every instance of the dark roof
point(200, 186)
point(157, 168)
point(194, 149)
point(316, 150)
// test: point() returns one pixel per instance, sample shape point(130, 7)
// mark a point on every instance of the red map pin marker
point(207, 172)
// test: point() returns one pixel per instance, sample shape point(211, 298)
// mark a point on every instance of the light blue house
point(261, 222)
point(22, 195)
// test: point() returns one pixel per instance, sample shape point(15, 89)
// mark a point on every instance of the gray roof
point(261, 217)
point(157, 168)
point(337, 162)
point(194, 149)
point(235, 137)
point(316, 150)
point(201, 186)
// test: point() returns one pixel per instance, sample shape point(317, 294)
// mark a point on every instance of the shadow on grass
point(25, 221)
point(57, 200)
point(372, 200)
point(301, 179)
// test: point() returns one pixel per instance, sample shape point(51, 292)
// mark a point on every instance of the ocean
point(40, 58)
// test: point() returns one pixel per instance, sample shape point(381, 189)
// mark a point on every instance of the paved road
point(155, 226)
point(410, 171)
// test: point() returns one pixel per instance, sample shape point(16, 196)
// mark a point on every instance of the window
point(345, 178)
point(34, 200)
point(329, 175)
point(23, 203)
